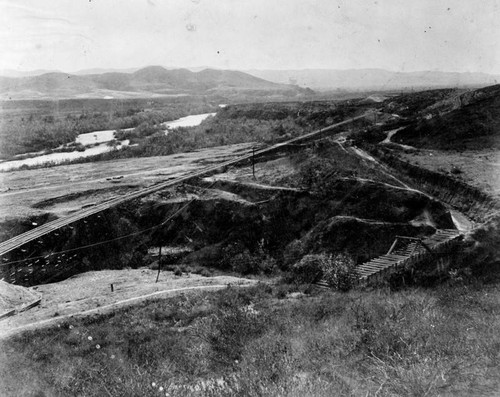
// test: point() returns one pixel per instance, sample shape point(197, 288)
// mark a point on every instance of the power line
point(101, 242)
point(114, 239)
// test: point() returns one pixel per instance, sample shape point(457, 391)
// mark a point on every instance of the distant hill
point(374, 79)
point(83, 72)
point(152, 80)
point(467, 120)
point(25, 73)
point(126, 70)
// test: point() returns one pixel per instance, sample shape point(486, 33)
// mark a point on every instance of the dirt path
point(390, 134)
point(383, 168)
point(90, 293)
point(461, 222)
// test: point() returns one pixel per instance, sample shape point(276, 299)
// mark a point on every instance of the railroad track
point(24, 238)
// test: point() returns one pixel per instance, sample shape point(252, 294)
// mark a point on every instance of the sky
point(397, 35)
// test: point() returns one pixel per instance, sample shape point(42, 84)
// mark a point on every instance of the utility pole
point(253, 162)
point(159, 264)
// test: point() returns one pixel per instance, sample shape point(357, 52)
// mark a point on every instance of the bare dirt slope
point(14, 296)
point(90, 293)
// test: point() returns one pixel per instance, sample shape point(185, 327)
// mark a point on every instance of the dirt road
point(90, 294)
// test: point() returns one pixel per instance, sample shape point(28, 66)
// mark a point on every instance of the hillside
point(470, 120)
point(313, 209)
point(149, 81)
point(379, 79)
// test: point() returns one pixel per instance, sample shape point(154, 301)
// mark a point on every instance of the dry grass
point(478, 168)
point(414, 343)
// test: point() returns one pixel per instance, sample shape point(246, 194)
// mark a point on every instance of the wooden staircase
point(404, 253)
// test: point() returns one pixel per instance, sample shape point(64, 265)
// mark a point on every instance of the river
point(99, 142)
point(188, 121)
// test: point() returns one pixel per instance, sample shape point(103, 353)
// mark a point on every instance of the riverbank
point(92, 144)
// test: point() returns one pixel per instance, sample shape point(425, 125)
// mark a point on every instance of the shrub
point(244, 263)
point(293, 253)
point(338, 271)
point(316, 173)
point(267, 264)
point(177, 271)
point(228, 254)
point(309, 269)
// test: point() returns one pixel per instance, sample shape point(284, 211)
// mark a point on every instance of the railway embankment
point(221, 220)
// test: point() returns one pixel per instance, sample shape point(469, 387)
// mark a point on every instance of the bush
point(293, 253)
point(244, 263)
point(177, 271)
point(338, 271)
point(316, 173)
point(267, 264)
point(309, 269)
point(228, 254)
point(239, 259)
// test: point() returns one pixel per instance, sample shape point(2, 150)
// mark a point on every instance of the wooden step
point(385, 258)
point(389, 262)
point(372, 268)
point(376, 265)
point(322, 284)
point(393, 256)
point(369, 269)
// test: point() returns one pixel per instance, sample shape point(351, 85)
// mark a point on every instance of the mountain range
point(160, 81)
point(374, 79)
point(145, 82)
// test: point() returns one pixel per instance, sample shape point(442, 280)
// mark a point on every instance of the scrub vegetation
point(428, 332)
point(269, 341)
point(32, 126)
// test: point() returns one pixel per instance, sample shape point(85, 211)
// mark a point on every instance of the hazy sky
point(402, 35)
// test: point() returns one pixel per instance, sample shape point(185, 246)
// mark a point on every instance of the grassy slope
point(474, 126)
point(249, 343)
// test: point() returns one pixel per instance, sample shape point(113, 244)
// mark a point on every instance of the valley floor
point(65, 189)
